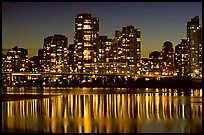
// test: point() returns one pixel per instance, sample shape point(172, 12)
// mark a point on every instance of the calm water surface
point(103, 110)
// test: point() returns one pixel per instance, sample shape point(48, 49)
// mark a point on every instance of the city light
point(119, 68)
point(94, 55)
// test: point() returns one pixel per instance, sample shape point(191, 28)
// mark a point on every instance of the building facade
point(41, 58)
point(145, 66)
point(194, 37)
point(156, 63)
point(86, 41)
point(17, 60)
point(72, 59)
point(33, 64)
point(167, 56)
point(55, 53)
point(105, 45)
point(116, 47)
point(130, 48)
point(181, 57)
point(3, 62)
point(108, 67)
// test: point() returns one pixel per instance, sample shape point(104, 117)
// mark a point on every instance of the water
point(99, 110)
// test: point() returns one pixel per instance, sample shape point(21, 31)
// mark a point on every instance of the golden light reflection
point(99, 112)
point(201, 92)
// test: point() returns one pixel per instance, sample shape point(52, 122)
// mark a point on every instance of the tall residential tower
point(55, 54)
point(17, 60)
point(181, 57)
point(130, 48)
point(167, 56)
point(194, 37)
point(86, 41)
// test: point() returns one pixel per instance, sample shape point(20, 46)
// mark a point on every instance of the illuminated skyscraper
point(156, 62)
point(42, 58)
point(17, 60)
point(194, 37)
point(145, 66)
point(105, 45)
point(33, 64)
point(56, 59)
point(108, 62)
point(3, 62)
point(181, 57)
point(86, 41)
point(71, 61)
point(130, 48)
point(167, 55)
point(116, 47)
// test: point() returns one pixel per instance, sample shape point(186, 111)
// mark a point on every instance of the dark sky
point(26, 24)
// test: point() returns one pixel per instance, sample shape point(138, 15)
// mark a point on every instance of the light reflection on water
point(143, 112)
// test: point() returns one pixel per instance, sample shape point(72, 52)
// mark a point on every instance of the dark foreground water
point(102, 110)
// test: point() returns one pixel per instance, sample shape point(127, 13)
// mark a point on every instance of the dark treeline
point(114, 81)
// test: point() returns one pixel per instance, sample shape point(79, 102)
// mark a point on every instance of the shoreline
point(173, 83)
point(178, 85)
point(17, 97)
point(6, 96)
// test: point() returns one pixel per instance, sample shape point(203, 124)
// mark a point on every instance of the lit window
point(86, 54)
point(87, 27)
point(87, 44)
point(9, 57)
point(87, 37)
point(87, 21)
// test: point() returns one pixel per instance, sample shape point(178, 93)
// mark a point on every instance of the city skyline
point(24, 33)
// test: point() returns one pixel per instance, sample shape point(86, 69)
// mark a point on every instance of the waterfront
point(103, 110)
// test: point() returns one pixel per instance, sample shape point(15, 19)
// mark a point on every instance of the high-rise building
point(72, 59)
point(194, 37)
point(108, 62)
point(181, 57)
point(105, 45)
point(145, 66)
point(33, 64)
point(86, 41)
point(42, 59)
point(3, 62)
point(55, 54)
point(130, 48)
point(17, 60)
point(116, 47)
point(156, 62)
point(5, 77)
point(167, 55)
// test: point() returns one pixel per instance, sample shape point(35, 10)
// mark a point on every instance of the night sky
point(27, 24)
